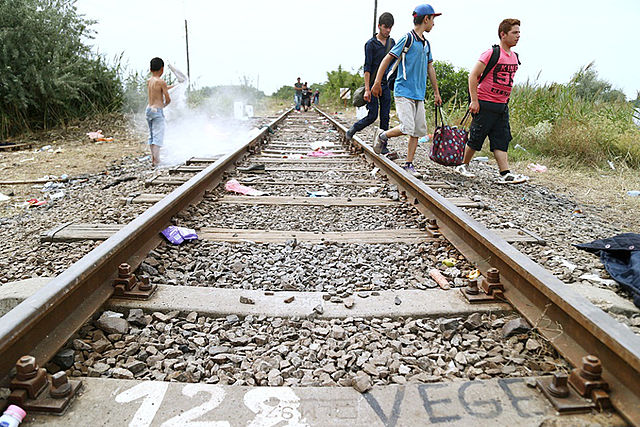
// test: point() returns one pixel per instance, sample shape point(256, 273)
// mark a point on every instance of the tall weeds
point(555, 120)
point(49, 75)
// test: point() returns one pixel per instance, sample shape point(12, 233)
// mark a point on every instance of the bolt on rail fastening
point(35, 391)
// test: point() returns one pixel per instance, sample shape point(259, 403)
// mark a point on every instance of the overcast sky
point(273, 42)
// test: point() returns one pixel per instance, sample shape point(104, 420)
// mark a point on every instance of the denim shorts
point(155, 120)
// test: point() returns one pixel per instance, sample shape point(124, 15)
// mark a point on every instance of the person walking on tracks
point(158, 93)
point(415, 64)
point(298, 94)
point(375, 50)
point(490, 84)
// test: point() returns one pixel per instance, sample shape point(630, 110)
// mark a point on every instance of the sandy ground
point(66, 151)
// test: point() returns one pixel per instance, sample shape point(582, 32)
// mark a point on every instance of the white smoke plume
point(206, 131)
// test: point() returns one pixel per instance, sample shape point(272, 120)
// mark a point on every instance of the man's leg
point(480, 123)
point(468, 154)
point(385, 107)
point(372, 115)
point(501, 159)
point(411, 150)
point(155, 154)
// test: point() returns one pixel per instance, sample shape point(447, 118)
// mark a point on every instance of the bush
point(558, 121)
point(453, 84)
point(48, 75)
point(338, 79)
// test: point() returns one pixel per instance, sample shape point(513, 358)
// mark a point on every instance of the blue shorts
point(155, 120)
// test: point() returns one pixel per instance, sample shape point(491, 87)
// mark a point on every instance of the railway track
point(288, 307)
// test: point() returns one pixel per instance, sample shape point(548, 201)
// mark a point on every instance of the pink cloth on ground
point(496, 87)
point(234, 186)
point(319, 153)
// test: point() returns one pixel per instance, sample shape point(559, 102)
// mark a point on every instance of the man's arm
point(474, 75)
point(431, 73)
point(376, 90)
point(165, 92)
point(368, 68)
point(367, 86)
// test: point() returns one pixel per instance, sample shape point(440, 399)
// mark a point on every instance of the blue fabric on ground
point(620, 256)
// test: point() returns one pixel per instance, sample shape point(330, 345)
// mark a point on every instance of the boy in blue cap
point(416, 64)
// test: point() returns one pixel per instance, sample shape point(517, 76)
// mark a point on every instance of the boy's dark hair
point(386, 19)
point(156, 64)
point(506, 25)
point(417, 20)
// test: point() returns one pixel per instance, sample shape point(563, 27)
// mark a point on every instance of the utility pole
point(375, 14)
point(186, 36)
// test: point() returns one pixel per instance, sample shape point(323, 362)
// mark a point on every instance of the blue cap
point(424, 9)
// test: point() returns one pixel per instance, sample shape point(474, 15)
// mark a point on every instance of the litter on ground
point(234, 186)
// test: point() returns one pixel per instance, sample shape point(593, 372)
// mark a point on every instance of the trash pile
point(98, 137)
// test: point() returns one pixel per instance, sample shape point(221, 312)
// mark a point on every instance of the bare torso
point(156, 88)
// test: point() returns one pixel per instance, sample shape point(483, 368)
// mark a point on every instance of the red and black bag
point(448, 142)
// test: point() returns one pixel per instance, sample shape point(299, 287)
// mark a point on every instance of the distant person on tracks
point(306, 97)
point(490, 103)
point(298, 95)
point(413, 52)
point(316, 97)
point(375, 50)
point(158, 92)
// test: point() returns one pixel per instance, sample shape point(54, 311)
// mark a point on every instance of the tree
point(341, 78)
point(453, 84)
point(48, 74)
point(285, 92)
point(589, 87)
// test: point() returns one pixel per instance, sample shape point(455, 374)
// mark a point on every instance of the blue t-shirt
point(416, 61)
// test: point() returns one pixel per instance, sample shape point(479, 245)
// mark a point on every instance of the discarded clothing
point(319, 153)
point(234, 186)
point(620, 256)
point(536, 167)
point(177, 235)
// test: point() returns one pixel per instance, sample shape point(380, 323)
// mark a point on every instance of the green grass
point(553, 122)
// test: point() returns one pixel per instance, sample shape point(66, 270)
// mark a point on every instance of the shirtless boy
point(158, 92)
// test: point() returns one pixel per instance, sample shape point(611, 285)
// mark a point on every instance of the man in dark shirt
point(298, 94)
point(374, 51)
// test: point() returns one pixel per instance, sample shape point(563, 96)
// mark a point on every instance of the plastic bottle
point(12, 416)
point(633, 193)
point(482, 159)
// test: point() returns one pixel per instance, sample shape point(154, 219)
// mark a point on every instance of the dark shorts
point(493, 121)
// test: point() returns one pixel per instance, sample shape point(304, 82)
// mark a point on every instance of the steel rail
point(569, 321)
point(42, 323)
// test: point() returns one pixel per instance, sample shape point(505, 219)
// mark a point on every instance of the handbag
point(448, 142)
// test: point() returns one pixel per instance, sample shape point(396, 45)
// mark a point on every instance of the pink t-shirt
point(496, 87)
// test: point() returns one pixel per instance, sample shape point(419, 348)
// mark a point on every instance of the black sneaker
point(255, 168)
point(350, 133)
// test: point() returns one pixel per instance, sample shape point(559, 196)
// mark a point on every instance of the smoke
point(207, 130)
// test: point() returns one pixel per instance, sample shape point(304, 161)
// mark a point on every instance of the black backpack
point(493, 60)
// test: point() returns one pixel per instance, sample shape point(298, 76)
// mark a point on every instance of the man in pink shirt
point(489, 106)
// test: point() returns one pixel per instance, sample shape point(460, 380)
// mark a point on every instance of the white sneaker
point(462, 170)
point(512, 178)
